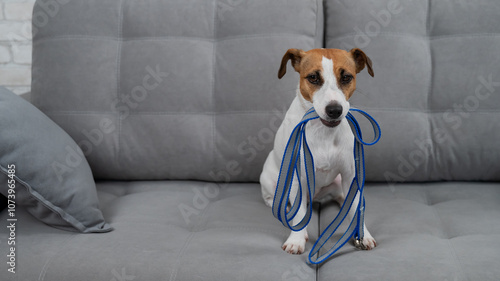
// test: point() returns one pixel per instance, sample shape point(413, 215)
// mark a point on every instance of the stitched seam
point(157, 113)
point(281, 232)
point(424, 111)
point(192, 233)
point(416, 36)
point(453, 252)
point(464, 35)
point(436, 161)
point(214, 55)
point(177, 264)
point(428, 20)
point(444, 234)
point(319, 233)
point(409, 110)
point(80, 113)
point(57, 253)
point(322, 43)
point(457, 260)
point(167, 38)
point(205, 113)
point(118, 73)
point(75, 37)
point(388, 34)
point(429, 88)
point(428, 24)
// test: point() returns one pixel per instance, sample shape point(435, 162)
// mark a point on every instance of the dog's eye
point(313, 79)
point(346, 79)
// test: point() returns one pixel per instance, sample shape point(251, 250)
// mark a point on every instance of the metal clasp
point(358, 243)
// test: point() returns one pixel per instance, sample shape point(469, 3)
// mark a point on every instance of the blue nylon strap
point(290, 168)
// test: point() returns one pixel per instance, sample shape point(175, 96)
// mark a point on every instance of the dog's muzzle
point(331, 124)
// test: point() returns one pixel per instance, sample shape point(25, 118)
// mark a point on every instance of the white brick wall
point(15, 44)
point(4, 54)
point(18, 10)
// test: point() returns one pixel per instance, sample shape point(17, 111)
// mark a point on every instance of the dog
point(327, 81)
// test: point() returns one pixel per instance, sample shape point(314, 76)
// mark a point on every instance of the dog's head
point(327, 79)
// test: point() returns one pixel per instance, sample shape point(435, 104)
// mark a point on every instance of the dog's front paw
point(368, 243)
point(294, 245)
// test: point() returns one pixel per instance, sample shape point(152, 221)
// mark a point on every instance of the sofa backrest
point(189, 89)
point(170, 89)
point(436, 90)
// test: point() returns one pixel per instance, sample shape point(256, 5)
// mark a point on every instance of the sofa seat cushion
point(229, 235)
point(436, 231)
point(439, 231)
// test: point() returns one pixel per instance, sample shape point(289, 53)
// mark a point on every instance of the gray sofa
point(174, 105)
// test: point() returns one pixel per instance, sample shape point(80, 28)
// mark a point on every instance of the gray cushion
point(53, 181)
point(171, 90)
point(434, 62)
point(440, 231)
point(230, 235)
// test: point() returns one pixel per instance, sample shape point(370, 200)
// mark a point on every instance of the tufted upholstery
point(184, 90)
point(210, 108)
point(441, 231)
point(212, 83)
point(152, 240)
point(436, 84)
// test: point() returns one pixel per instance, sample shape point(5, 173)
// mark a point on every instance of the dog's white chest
point(332, 148)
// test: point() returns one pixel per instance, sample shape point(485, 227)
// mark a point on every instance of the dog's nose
point(334, 110)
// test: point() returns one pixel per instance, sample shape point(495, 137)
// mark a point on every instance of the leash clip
point(358, 243)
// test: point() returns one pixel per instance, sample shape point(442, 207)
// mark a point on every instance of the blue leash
point(290, 166)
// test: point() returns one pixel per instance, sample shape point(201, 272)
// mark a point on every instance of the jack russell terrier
point(327, 81)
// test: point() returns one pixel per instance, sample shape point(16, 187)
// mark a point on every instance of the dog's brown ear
point(295, 55)
point(361, 59)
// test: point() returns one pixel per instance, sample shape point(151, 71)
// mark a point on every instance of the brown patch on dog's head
point(309, 66)
point(361, 59)
point(295, 55)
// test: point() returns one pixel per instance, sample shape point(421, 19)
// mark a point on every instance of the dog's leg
point(268, 179)
point(296, 242)
point(368, 240)
point(267, 189)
